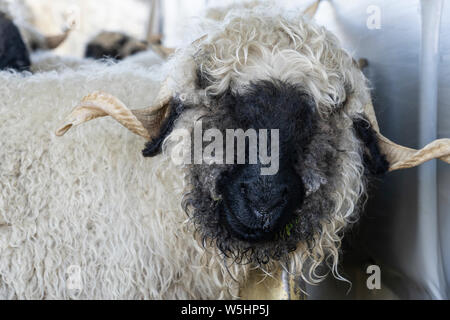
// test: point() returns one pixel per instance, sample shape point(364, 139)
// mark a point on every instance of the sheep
point(31, 16)
point(259, 70)
point(21, 15)
point(103, 218)
point(89, 17)
point(117, 45)
point(114, 45)
point(151, 227)
point(13, 52)
point(19, 39)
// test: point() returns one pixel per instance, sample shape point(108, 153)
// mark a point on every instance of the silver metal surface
point(406, 225)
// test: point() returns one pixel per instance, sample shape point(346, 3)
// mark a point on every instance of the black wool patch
point(153, 147)
point(112, 50)
point(202, 79)
point(13, 51)
point(112, 45)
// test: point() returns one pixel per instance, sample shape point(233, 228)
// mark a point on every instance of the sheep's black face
point(113, 45)
point(13, 52)
point(249, 215)
point(255, 207)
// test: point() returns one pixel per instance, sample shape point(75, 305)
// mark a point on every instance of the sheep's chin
point(228, 232)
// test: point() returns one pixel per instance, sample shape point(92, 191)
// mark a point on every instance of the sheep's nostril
point(270, 208)
point(255, 207)
point(243, 187)
point(276, 198)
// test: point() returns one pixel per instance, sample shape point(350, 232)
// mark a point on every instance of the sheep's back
point(89, 201)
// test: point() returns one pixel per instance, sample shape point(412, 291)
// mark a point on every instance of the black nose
point(256, 207)
point(265, 197)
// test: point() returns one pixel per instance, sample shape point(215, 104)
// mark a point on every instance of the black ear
point(168, 117)
point(374, 161)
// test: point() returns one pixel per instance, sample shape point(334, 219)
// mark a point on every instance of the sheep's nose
point(264, 198)
point(256, 207)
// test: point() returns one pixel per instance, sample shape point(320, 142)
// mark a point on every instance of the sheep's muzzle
point(256, 207)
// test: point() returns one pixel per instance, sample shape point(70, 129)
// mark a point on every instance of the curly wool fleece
point(91, 200)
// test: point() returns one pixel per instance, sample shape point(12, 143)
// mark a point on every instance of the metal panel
point(443, 125)
point(405, 228)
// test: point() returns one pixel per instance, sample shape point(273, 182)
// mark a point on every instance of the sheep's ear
point(400, 157)
point(159, 123)
point(153, 123)
point(374, 160)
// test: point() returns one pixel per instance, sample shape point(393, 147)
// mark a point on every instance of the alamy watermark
point(221, 150)
point(374, 280)
point(374, 19)
point(74, 280)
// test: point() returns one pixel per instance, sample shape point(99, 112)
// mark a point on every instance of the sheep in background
point(21, 14)
point(83, 19)
point(117, 45)
point(13, 51)
point(47, 61)
point(114, 45)
point(18, 39)
point(87, 18)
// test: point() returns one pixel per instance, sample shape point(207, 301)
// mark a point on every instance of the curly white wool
point(91, 200)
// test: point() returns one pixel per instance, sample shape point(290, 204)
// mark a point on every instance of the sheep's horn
point(143, 122)
point(400, 157)
point(311, 10)
point(52, 42)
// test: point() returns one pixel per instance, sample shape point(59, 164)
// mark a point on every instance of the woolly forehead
point(248, 48)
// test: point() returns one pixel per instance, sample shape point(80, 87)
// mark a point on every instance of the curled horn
point(143, 122)
point(52, 42)
point(147, 123)
point(400, 157)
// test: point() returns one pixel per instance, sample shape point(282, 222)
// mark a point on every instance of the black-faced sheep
point(92, 204)
point(262, 71)
point(13, 51)
point(114, 45)
point(117, 45)
point(19, 40)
